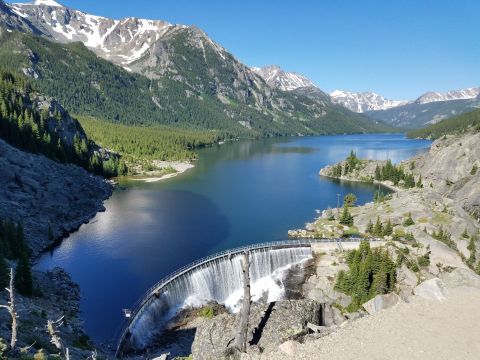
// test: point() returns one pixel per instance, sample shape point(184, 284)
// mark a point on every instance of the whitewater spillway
point(215, 278)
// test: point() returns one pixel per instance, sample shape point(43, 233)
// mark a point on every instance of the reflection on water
point(239, 193)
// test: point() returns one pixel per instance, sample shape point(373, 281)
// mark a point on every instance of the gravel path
point(421, 329)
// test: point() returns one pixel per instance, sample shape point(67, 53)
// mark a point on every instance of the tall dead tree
point(242, 331)
point(55, 339)
point(13, 312)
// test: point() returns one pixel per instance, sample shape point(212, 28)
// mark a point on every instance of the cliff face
point(452, 168)
point(42, 193)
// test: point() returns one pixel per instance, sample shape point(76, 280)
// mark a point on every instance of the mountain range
point(145, 72)
point(427, 109)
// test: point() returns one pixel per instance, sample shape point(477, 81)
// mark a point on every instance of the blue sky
point(399, 49)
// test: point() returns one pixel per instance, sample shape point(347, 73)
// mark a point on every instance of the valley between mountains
point(89, 103)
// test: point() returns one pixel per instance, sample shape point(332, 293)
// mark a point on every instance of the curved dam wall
point(220, 280)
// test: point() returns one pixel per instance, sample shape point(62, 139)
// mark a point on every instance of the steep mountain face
point(429, 97)
point(172, 74)
point(365, 101)
point(119, 41)
point(416, 115)
point(278, 78)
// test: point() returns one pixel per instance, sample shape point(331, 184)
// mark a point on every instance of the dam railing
point(155, 290)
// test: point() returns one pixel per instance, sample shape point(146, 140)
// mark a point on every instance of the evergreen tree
point(369, 227)
point(378, 228)
point(349, 200)
point(371, 272)
point(409, 221)
point(346, 218)
point(465, 234)
point(388, 229)
point(23, 276)
point(378, 175)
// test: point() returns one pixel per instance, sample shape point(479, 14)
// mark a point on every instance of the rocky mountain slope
point(363, 102)
point(43, 193)
point(420, 114)
point(427, 109)
point(429, 97)
point(280, 79)
point(172, 74)
point(456, 125)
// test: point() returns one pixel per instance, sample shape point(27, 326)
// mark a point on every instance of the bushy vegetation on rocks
point(371, 272)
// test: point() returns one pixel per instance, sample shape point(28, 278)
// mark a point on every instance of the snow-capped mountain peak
point(51, 3)
point(468, 93)
point(364, 101)
point(120, 41)
point(278, 78)
point(47, 3)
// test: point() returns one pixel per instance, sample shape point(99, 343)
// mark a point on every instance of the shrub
point(409, 221)
point(206, 312)
point(474, 169)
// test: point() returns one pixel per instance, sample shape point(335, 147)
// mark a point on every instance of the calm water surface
point(240, 193)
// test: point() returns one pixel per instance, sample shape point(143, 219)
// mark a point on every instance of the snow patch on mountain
point(121, 41)
point(278, 78)
point(364, 101)
point(429, 97)
point(46, 3)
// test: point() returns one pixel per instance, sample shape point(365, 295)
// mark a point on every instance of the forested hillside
point(36, 124)
point(150, 143)
point(90, 86)
point(456, 125)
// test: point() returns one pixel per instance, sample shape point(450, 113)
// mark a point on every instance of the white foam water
point(219, 280)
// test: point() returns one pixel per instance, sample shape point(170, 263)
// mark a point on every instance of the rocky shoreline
point(51, 200)
point(438, 245)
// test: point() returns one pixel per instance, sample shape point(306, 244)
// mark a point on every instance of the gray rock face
point(286, 81)
point(365, 101)
point(461, 277)
point(381, 302)
point(270, 326)
point(433, 289)
point(448, 168)
point(43, 193)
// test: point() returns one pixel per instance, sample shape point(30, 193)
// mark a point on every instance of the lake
point(238, 193)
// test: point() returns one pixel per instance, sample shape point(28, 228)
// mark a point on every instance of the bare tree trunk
point(13, 312)
point(241, 338)
point(55, 337)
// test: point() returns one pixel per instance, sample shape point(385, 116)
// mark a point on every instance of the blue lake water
point(240, 193)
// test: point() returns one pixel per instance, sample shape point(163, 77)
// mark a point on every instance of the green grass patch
point(441, 218)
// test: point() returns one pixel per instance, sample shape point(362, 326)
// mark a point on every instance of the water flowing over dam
point(217, 278)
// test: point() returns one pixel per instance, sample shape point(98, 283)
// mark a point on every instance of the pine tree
point(378, 175)
point(23, 276)
point(369, 227)
point(465, 234)
point(378, 228)
point(346, 218)
point(409, 221)
point(349, 200)
point(388, 229)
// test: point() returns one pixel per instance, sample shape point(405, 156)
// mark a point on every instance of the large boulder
point(433, 289)
point(269, 326)
point(461, 277)
point(381, 302)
